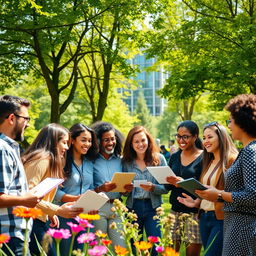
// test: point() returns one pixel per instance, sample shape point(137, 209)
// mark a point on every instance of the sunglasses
point(228, 122)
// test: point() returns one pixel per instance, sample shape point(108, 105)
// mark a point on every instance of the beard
point(18, 133)
point(109, 152)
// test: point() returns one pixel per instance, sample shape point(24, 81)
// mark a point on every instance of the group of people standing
point(88, 157)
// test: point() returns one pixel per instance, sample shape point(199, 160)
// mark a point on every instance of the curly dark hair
point(101, 127)
point(243, 110)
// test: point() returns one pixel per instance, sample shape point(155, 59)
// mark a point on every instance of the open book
point(160, 173)
point(121, 179)
point(191, 185)
point(45, 186)
point(91, 201)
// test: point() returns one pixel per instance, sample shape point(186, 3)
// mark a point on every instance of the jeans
point(16, 245)
point(107, 217)
point(39, 229)
point(211, 231)
point(145, 213)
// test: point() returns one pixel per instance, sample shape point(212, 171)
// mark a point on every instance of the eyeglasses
point(212, 124)
point(183, 137)
point(228, 122)
point(27, 118)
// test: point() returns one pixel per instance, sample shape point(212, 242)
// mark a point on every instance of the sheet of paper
point(45, 186)
point(137, 183)
point(121, 179)
point(191, 185)
point(160, 173)
point(91, 201)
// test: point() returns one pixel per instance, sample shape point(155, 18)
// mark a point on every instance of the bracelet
point(219, 197)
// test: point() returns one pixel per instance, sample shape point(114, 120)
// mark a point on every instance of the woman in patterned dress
point(239, 195)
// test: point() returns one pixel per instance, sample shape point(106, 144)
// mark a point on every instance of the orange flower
point(106, 242)
point(143, 246)
point(4, 238)
point(120, 250)
point(89, 216)
point(170, 252)
point(27, 212)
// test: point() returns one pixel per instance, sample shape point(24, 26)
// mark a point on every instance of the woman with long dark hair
point(186, 163)
point(79, 174)
point(46, 158)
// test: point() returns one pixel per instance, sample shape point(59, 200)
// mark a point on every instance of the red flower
point(27, 212)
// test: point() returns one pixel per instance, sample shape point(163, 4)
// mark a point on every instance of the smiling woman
point(45, 158)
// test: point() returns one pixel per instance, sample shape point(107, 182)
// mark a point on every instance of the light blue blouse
point(103, 171)
point(80, 180)
point(139, 193)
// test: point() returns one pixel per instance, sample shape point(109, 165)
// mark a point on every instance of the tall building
point(149, 82)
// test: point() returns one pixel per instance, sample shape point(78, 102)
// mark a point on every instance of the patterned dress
point(240, 215)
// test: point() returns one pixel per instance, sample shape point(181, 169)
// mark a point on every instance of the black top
point(193, 170)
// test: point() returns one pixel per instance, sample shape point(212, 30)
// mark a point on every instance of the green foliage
point(143, 112)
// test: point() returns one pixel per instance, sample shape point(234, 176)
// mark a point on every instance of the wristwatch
point(219, 197)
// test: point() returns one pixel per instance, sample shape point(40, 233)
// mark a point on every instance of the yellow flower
point(100, 234)
point(170, 252)
point(27, 212)
point(89, 216)
point(120, 250)
point(143, 246)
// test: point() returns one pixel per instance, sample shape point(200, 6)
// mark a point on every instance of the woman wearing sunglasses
point(219, 154)
point(239, 195)
point(186, 163)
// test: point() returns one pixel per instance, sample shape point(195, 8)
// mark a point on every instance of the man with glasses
point(106, 164)
point(13, 183)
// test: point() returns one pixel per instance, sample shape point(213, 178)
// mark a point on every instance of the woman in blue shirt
point(79, 174)
point(139, 152)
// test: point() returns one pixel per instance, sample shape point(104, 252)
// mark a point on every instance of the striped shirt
point(12, 182)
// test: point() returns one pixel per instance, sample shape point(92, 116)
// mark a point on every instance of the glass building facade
point(149, 82)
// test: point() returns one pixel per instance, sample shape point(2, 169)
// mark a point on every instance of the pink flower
point(84, 223)
point(98, 250)
point(59, 234)
point(153, 239)
point(159, 249)
point(95, 242)
point(75, 228)
point(86, 238)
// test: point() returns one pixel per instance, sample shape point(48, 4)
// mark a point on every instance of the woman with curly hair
point(239, 194)
point(139, 152)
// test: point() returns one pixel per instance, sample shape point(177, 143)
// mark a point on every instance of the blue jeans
point(211, 231)
point(145, 213)
point(16, 245)
point(39, 229)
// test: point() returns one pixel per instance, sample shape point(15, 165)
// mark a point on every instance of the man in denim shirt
point(106, 164)
point(13, 183)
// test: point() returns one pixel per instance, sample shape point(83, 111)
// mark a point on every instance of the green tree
point(142, 112)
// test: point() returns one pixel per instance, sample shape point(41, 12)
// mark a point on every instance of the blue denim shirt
point(103, 171)
point(155, 196)
point(80, 180)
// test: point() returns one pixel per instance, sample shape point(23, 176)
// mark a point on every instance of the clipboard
point(191, 185)
point(45, 186)
point(91, 201)
point(160, 173)
point(121, 179)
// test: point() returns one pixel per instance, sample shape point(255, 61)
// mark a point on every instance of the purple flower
point(59, 233)
point(98, 250)
point(86, 238)
point(75, 228)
